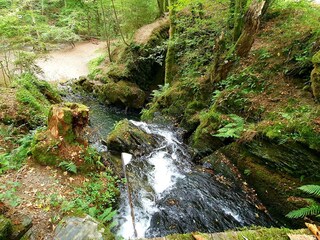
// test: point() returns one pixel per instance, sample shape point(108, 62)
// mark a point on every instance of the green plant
point(161, 92)
point(314, 206)
point(233, 128)
point(15, 158)
point(68, 166)
point(9, 193)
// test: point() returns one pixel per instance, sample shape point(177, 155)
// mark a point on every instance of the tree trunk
point(161, 7)
point(239, 9)
point(224, 62)
point(251, 26)
point(118, 23)
point(170, 60)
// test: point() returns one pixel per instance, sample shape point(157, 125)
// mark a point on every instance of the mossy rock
point(123, 93)
point(202, 139)
point(5, 228)
point(126, 137)
point(291, 158)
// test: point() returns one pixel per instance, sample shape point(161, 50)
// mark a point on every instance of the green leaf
point(311, 189)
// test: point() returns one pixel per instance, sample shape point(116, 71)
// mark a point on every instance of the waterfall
point(172, 195)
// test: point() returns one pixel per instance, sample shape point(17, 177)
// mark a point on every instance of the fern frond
point(68, 166)
point(303, 212)
point(311, 189)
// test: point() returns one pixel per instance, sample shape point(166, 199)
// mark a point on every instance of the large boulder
point(127, 137)
point(81, 228)
point(315, 76)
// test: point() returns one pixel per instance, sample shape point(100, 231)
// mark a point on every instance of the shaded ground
point(34, 191)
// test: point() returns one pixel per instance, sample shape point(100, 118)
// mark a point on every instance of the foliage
point(161, 92)
point(233, 128)
point(8, 193)
point(36, 95)
point(68, 166)
point(314, 206)
point(16, 158)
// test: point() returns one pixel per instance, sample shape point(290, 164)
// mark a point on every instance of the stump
point(68, 121)
point(63, 142)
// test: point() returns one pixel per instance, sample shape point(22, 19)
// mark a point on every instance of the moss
point(180, 237)
point(5, 228)
point(203, 139)
point(123, 93)
point(316, 59)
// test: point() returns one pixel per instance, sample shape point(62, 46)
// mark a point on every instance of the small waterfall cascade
point(171, 195)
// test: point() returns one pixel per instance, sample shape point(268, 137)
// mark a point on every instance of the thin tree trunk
point(118, 23)
point(170, 59)
point(223, 62)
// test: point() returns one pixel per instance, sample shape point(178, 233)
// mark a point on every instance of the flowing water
point(171, 195)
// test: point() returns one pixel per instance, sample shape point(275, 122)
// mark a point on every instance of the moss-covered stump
point(315, 76)
point(63, 141)
point(126, 137)
point(68, 121)
point(5, 228)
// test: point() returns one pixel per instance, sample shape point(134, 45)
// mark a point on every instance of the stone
point(5, 228)
point(80, 228)
point(126, 137)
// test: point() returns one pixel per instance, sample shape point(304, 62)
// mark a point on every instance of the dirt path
point(143, 34)
point(70, 62)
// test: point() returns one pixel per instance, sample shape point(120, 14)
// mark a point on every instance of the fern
point(68, 166)
point(314, 207)
point(311, 189)
point(312, 210)
point(232, 129)
point(107, 215)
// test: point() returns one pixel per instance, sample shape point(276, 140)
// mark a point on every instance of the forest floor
point(35, 191)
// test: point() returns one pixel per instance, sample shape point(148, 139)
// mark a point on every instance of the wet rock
point(126, 137)
point(5, 228)
point(315, 76)
point(80, 228)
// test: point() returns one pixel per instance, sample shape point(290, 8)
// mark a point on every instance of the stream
point(170, 194)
